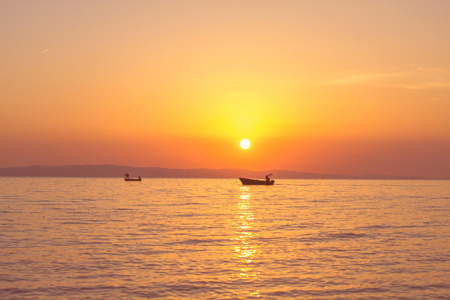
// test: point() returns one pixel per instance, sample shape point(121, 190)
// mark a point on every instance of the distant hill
point(155, 172)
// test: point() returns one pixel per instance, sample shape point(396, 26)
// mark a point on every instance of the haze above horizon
point(341, 87)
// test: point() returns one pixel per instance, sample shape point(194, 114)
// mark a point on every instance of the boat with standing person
point(128, 178)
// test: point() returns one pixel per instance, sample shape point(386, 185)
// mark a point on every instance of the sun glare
point(245, 144)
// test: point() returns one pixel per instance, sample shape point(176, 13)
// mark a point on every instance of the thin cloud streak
point(419, 78)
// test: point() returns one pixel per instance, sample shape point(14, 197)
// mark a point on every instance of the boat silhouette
point(128, 178)
point(248, 181)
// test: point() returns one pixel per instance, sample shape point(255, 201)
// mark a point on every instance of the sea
point(104, 238)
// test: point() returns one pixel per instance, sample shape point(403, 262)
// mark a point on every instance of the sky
point(346, 86)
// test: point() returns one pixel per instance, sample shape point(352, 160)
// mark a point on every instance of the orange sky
point(352, 87)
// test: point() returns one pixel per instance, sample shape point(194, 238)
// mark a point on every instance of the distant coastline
point(157, 172)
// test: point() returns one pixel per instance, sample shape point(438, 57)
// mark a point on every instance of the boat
point(248, 181)
point(128, 178)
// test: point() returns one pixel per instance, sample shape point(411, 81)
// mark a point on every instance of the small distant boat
point(248, 181)
point(128, 178)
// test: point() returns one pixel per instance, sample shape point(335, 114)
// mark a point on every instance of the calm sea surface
point(72, 238)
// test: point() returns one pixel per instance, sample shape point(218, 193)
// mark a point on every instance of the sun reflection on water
point(245, 248)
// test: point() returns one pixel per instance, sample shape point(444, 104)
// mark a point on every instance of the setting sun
point(282, 138)
point(291, 81)
point(245, 144)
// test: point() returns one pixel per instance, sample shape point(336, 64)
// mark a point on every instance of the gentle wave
point(75, 238)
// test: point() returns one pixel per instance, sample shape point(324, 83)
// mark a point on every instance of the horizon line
point(292, 173)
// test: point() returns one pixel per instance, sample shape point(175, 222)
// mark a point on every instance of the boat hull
point(248, 181)
point(133, 179)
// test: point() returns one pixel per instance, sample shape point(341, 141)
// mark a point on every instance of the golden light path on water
point(104, 238)
point(245, 249)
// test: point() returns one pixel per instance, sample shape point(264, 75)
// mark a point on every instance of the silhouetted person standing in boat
point(267, 178)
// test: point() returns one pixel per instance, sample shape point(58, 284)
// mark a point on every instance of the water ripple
point(215, 239)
